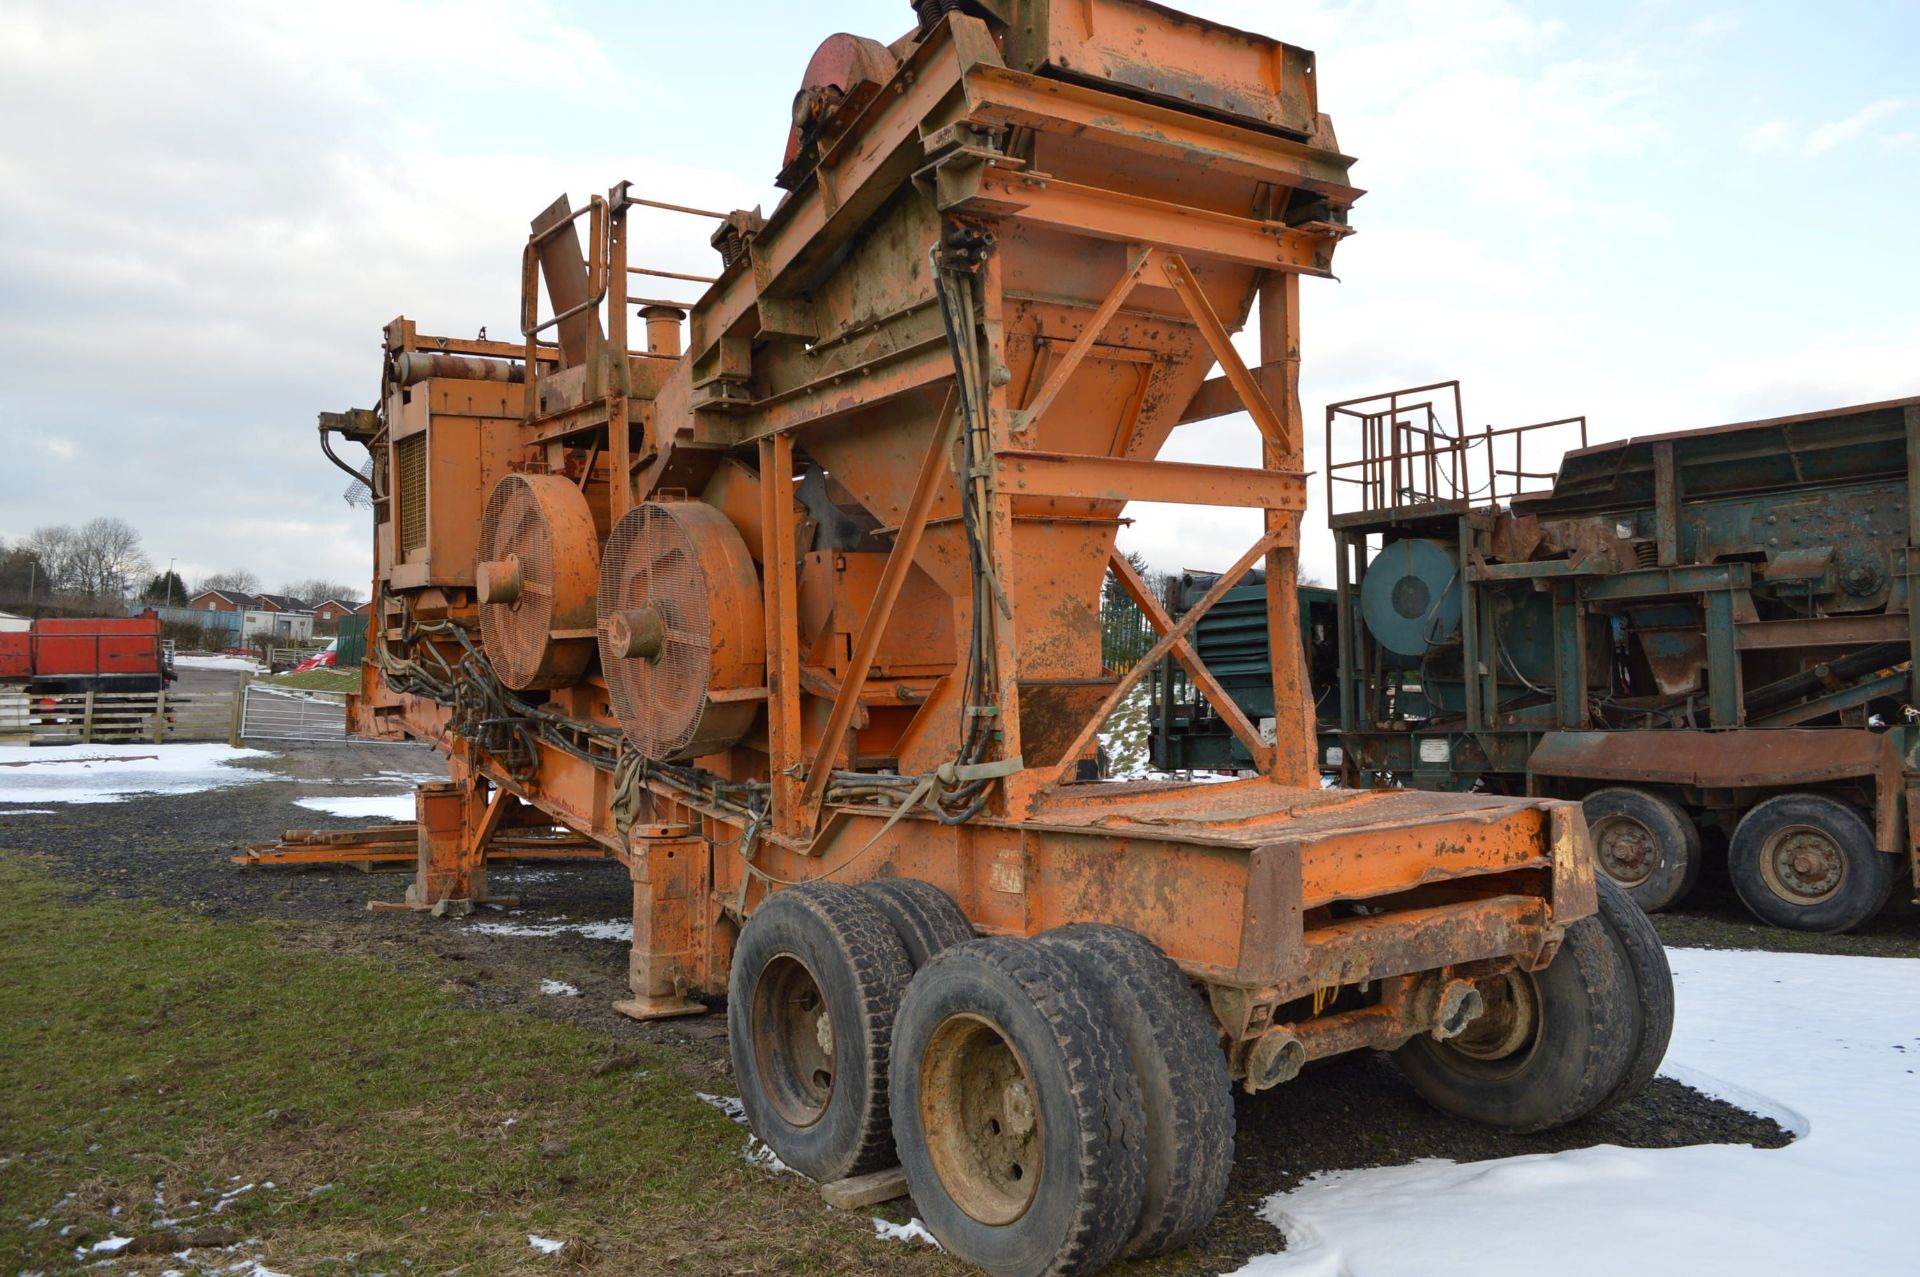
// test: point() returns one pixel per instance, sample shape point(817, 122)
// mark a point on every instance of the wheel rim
point(1504, 1035)
point(793, 1040)
point(1626, 850)
point(981, 1120)
point(1803, 864)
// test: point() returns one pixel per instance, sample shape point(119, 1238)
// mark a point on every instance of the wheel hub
point(983, 1128)
point(1626, 849)
point(1802, 864)
point(1509, 1023)
point(793, 1040)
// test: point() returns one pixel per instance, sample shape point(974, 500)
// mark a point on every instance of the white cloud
point(1828, 136)
point(1781, 136)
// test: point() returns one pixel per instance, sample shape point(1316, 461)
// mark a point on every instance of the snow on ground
point(27, 811)
point(911, 1231)
point(1826, 1046)
point(755, 1153)
point(396, 807)
point(611, 930)
point(109, 773)
point(206, 661)
point(559, 989)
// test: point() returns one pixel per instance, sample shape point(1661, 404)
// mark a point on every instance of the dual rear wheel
point(1802, 861)
point(1056, 1103)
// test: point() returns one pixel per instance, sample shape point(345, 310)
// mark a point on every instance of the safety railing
point(608, 283)
point(1414, 449)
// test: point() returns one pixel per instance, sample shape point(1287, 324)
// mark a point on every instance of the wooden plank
point(864, 1190)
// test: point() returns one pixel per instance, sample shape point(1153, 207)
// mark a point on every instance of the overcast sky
point(1661, 215)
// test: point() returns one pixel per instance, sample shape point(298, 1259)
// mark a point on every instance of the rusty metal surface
point(1710, 760)
point(901, 433)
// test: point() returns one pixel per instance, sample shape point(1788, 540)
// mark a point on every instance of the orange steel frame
point(1103, 303)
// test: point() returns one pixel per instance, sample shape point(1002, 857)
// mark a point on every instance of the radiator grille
point(410, 460)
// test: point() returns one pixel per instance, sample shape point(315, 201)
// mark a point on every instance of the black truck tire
point(1551, 1047)
point(1645, 842)
point(1808, 862)
point(923, 916)
point(1015, 1111)
point(1185, 1091)
point(1652, 982)
point(817, 978)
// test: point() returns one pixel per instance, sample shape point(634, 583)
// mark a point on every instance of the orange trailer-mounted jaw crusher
point(788, 596)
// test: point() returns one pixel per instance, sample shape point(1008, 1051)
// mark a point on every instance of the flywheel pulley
point(682, 630)
point(539, 557)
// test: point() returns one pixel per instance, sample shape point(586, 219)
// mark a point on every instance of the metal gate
point(296, 714)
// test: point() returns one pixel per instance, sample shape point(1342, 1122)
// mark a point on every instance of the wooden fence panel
point(90, 717)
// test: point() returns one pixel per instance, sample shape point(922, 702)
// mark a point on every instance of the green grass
point(347, 680)
point(144, 1049)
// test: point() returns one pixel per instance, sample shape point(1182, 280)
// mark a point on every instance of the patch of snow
point(226, 1199)
point(27, 811)
point(205, 661)
point(559, 989)
point(755, 1153)
point(728, 1104)
point(911, 1231)
point(394, 807)
point(110, 773)
point(622, 931)
point(762, 1156)
point(545, 1245)
point(1826, 1045)
point(111, 1246)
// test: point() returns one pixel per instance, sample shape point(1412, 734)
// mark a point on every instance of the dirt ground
point(1345, 1114)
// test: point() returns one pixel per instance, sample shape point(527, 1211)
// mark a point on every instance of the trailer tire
point(1551, 1047)
point(1646, 957)
point(923, 916)
point(1645, 842)
point(1808, 862)
point(1016, 1113)
point(1185, 1092)
point(817, 978)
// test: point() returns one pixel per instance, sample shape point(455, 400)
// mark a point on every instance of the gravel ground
point(1348, 1113)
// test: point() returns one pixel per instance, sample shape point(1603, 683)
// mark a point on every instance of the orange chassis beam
point(1233, 880)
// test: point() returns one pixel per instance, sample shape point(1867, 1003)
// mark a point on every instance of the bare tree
point(107, 559)
point(54, 545)
point(319, 590)
point(239, 580)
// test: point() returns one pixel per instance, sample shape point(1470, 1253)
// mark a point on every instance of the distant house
point(365, 609)
point(222, 601)
point(278, 603)
point(329, 611)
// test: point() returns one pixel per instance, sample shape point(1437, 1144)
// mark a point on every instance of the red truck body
point(71, 654)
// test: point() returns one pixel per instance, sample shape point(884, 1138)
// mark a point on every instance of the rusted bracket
point(1096, 324)
point(1235, 369)
point(783, 640)
point(1177, 634)
point(906, 543)
point(1237, 721)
